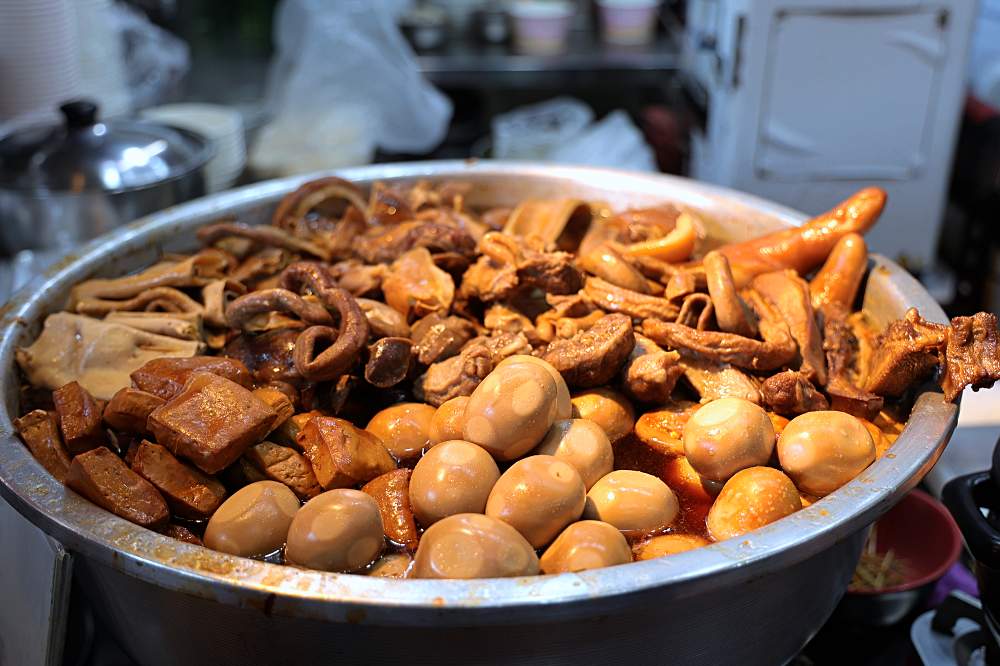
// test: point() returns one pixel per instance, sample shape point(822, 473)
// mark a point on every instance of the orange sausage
point(804, 248)
point(838, 280)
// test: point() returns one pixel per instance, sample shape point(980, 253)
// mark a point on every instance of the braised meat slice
point(415, 287)
point(713, 380)
point(489, 280)
point(211, 422)
point(908, 351)
point(39, 430)
point(508, 263)
point(454, 376)
point(391, 491)
point(382, 245)
point(552, 272)
point(128, 410)
point(357, 278)
point(79, 418)
point(846, 397)
point(651, 373)
point(102, 477)
point(791, 392)
point(342, 455)
point(189, 493)
point(164, 377)
point(269, 356)
point(612, 298)
point(592, 357)
point(285, 465)
point(789, 294)
point(971, 355)
point(720, 347)
point(460, 375)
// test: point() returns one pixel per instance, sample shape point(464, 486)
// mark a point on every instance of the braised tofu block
point(284, 465)
point(189, 492)
point(128, 410)
point(341, 454)
point(211, 422)
point(165, 377)
point(102, 477)
point(391, 492)
point(278, 401)
point(39, 430)
point(182, 533)
point(79, 417)
point(287, 433)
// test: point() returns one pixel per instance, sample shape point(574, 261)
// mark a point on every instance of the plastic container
point(223, 125)
point(628, 22)
point(541, 27)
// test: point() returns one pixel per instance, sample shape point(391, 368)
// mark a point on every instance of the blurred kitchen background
point(800, 101)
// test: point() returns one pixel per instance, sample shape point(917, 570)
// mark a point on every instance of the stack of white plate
point(102, 63)
point(39, 62)
point(222, 125)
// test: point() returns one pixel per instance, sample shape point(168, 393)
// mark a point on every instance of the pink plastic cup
point(628, 22)
point(541, 28)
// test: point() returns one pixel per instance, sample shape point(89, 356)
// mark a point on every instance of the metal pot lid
point(85, 154)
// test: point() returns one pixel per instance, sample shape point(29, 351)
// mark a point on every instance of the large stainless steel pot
point(63, 185)
point(754, 600)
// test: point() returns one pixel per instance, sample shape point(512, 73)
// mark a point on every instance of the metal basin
point(754, 600)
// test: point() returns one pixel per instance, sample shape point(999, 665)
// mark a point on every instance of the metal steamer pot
point(63, 185)
point(753, 600)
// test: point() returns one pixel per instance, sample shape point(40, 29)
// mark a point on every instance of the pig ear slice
point(837, 282)
point(804, 248)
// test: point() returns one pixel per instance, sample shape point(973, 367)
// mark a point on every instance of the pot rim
point(174, 565)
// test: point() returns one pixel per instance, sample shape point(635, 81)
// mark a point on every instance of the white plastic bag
point(335, 138)
point(532, 132)
point(613, 142)
point(349, 53)
point(155, 60)
point(562, 130)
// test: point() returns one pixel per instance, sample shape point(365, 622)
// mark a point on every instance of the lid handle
point(79, 113)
